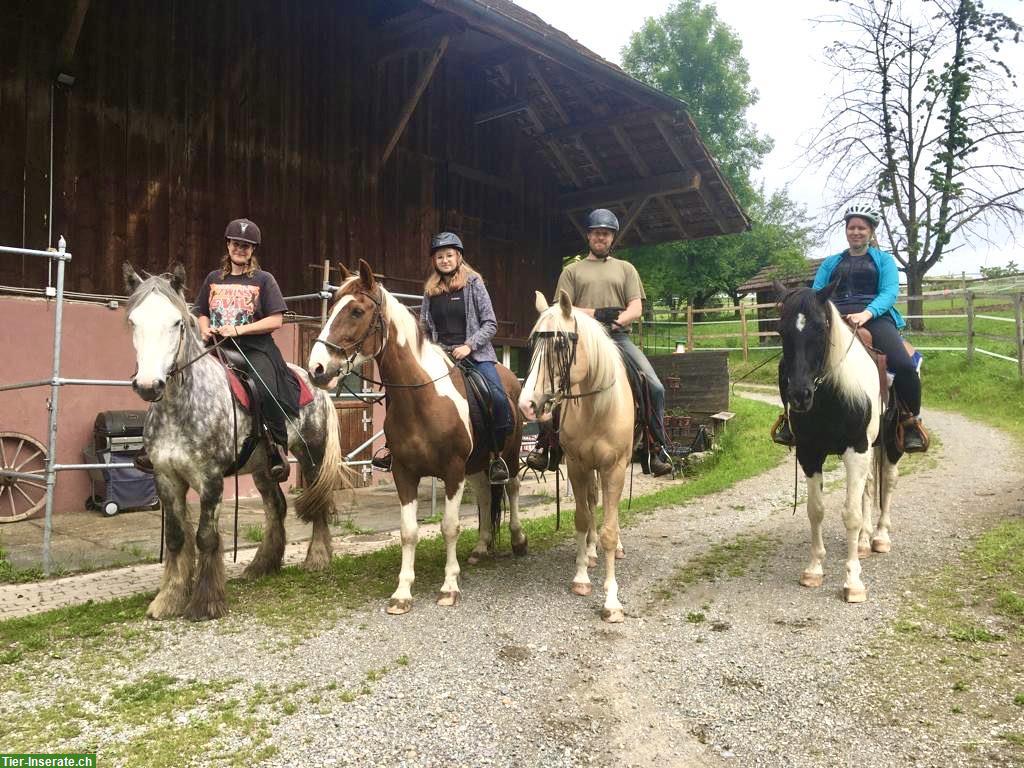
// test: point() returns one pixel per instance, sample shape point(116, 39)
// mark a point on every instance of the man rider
point(610, 291)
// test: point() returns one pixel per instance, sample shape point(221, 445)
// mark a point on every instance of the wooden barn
point(762, 285)
point(347, 130)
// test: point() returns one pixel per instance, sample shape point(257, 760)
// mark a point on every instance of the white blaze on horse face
point(526, 394)
point(156, 333)
point(321, 354)
point(801, 322)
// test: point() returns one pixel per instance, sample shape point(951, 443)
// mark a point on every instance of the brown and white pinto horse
point(427, 423)
point(576, 363)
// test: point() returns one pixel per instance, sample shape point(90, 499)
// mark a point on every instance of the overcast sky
point(785, 51)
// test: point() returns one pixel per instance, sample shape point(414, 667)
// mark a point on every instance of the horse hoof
point(582, 589)
point(591, 562)
point(863, 551)
point(474, 558)
point(213, 610)
point(258, 570)
point(855, 595)
point(315, 564)
point(448, 599)
point(620, 554)
point(810, 579)
point(613, 615)
point(881, 546)
point(521, 548)
point(398, 607)
point(158, 610)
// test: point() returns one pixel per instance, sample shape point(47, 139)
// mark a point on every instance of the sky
point(785, 51)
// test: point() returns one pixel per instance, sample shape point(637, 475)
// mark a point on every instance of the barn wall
point(185, 114)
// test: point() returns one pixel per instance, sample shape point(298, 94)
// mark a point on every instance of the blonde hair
point(254, 264)
point(437, 283)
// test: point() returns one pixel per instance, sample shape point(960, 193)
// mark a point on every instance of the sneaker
point(497, 473)
point(782, 433)
point(143, 464)
point(280, 470)
point(661, 463)
point(382, 460)
point(915, 439)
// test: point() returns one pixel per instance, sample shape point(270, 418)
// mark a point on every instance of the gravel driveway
point(743, 670)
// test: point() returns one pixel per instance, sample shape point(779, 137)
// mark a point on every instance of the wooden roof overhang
point(609, 140)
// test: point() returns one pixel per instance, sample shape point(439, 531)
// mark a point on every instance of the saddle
point(247, 394)
point(481, 411)
point(643, 439)
point(864, 335)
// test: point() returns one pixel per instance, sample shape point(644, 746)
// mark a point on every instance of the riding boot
point(280, 470)
point(914, 437)
point(782, 433)
point(545, 455)
point(142, 462)
point(382, 460)
point(497, 473)
point(661, 462)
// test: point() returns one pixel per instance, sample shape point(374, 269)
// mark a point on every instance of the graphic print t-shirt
point(238, 299)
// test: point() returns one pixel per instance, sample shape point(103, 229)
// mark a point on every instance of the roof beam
point(680, 154)
point(69, 40)
point(601, 124)
point(545, 87)
point(611, 194)
point(414, 99)
point(505, 110)
point(631, 216)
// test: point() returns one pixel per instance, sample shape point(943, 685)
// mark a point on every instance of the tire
point(110, 509)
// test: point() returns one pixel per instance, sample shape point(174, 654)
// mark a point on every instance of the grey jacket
point(481, 324)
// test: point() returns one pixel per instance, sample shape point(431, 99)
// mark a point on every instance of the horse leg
point(592, 531)
point(880, 542)
point(813, 573)
point(580, 479)
point(520, 545)
point(485, 534)
point(612, 481)
point(858, 467)
point(406, 485)
point(209, 597)
point(180, 555)
point(271, 550)
point(868, 506)
point(449, 594)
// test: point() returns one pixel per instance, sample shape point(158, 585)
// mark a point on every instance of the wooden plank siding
point(185, 114)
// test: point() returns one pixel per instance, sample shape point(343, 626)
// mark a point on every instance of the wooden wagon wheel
point(20, 498)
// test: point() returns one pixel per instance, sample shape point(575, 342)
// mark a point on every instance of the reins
point(559, 362)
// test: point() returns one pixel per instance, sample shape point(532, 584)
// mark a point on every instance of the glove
point(607, 315)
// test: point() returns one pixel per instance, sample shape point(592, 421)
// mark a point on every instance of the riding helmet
point(446, 240)
point(866, 212)
point(243, 230)
point(602, 218)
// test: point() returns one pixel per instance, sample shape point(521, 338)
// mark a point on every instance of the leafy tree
point(923, 124)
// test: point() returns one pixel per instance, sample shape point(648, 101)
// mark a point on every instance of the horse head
point(159, 320)
point(355, 329)
point(559, 361)
point(805, 325)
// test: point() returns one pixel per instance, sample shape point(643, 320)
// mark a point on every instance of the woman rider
point(457, 314)
point(242, 304)
point(868, 283)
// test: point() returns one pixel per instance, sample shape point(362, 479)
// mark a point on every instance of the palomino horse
point(575, 363)
point(189, 436)
point(427, 424)
point(831, 386)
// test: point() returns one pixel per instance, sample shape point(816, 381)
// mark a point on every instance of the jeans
point(499, 399)
point(657, 418)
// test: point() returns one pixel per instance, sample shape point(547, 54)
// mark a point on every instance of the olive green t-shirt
point(593, 284)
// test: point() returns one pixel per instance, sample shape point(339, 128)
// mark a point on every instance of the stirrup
point(782, 432)
point(382, 460)
point(497, 472)
point(143, 464)
point(539, 460)
point(279, 468)
point(911, 436)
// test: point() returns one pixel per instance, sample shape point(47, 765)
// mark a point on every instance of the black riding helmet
point(244, 230)
point(445, 240)
point(602, 218)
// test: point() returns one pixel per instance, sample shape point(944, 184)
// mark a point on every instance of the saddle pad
point(241, 394)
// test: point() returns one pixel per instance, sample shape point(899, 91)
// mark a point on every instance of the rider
point(610, 291)
point(457, 314)
point(868, 283)
point(242, 305)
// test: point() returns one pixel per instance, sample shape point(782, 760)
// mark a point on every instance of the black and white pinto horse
point(834, 400)
point(193, 434)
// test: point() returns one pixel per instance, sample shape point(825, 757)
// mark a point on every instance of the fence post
point(970, 326)
point(689, 328)
point(1017, 300)
point(743, 333)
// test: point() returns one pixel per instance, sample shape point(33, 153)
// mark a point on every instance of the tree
point(688, 53)
point(923, 124)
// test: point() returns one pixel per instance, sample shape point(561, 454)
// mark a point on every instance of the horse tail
point(333, 474)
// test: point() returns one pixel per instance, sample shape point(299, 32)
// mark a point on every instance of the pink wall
point(95, 345)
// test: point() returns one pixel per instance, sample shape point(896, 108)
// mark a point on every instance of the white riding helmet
point(866, 212)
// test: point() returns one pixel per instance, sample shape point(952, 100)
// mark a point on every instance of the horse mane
point(160, 284)
point(407, 327)
point(602, 353)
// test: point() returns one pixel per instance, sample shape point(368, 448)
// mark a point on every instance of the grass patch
point(729, 559)
point(253, 532)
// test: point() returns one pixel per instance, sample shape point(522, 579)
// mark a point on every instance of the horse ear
point(343, 272)
point(539, 301)
point(131, 278)
point(826, 293)
point(178, 277)
point(780, 290)
point(565, 304)
point(366, 275)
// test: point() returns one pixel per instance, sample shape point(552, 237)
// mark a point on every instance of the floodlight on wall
point(63, 78)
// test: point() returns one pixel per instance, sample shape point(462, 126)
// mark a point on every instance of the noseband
point(377, 325)
point(559, 363)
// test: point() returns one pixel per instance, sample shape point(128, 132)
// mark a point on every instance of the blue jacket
point(888, 282)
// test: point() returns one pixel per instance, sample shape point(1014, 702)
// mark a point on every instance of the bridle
point(823, 374)
point(376, 325)
point(559, 359)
